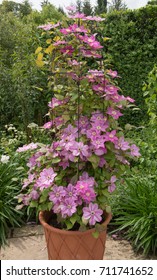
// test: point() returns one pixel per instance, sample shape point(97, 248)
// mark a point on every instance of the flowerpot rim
point(71, 232)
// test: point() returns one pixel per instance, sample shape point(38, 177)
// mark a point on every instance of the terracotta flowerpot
point(73, 245)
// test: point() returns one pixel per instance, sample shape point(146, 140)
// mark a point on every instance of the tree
point(18, 9)
point(48, 13)
point(60, 10)
point(87, 8)
point(117, 5)
point(101, 6)
point(44, 3)
point(79, 6)
point(152, 2)
point(25, 8)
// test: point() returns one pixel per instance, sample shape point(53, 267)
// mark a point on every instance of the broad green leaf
point(95, 234)
point(108, 209)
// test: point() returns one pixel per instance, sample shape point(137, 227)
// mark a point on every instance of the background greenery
point(130, 40)
point(132, 52)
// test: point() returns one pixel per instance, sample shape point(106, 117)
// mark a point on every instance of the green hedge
point(133, 52)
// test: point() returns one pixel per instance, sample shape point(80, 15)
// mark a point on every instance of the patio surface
point(28, 243)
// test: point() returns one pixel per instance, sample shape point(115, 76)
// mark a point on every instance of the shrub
point(135, 211)
point(10, 177)
point(132, 50)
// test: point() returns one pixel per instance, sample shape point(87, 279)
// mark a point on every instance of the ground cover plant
point(135, 212)
point(10, 181)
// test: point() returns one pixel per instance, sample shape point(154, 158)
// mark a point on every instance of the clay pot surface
point(73, 245)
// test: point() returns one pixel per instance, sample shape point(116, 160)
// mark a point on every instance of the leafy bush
point(12, 138)
point(150, 94)
point(10, 178)
point(135, 211)
point(146, 136)
point(132, 52)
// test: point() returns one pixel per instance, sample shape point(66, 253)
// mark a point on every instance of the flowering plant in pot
point(74, 176)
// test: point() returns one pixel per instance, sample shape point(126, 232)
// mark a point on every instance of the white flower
point(32, 125)
point(4, 159)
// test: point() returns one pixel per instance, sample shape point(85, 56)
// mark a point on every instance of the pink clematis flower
point(131, 100)
point(92, 213)
point(64, 164)
point(54, 103)
point(71, 192)
point(112, 185)
point(34, 195)
point(73, 28)
point(31, 146)
point(57, 194)
point(100, 126)
point(91, 41)
point(48, 125)
point(134, 150)
point(71, 131)
point(78, 15)
point(113, 74)
point(58, 121)
point(99, 151)
point(99, 142)
point(122, 144)
point(99, 88)
point(96, 73)
point(74, 62)
point(88, 195)
point(90, 53)
point(81, 186)
point(93, 133)
point(79, 149)
point(89, 180)
point(67, 50)
point(98, 117)
point(68, 207)
point(95, 18)
point(46, 178)
point(28, 181)
point(33, 160)
point(111, 90)
point(114, 113)
point(49, 26)
point(111, 136)
point(102, 162)
point(58, 43)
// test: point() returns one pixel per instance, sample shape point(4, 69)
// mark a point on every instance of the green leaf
point(94, 159)
point(55, 160)
point(50, 204)
point(73, 219)
point(34, 203)
point(108, 209)
point(102, 198)
point(69, 225)
point(95, 234)
point(74, 97)
point(105, 192)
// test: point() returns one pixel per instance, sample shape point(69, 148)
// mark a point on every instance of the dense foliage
point(132, 52)
point(135, 203)
point(10, 179)
point(135, 212)
point(21, 95)
point(24, 91)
